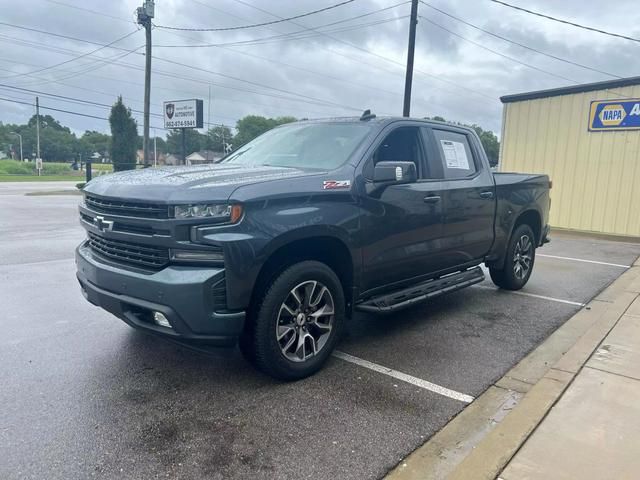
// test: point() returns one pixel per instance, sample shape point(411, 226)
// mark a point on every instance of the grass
point(14, 167)
point(16, 171)
point(42, 178)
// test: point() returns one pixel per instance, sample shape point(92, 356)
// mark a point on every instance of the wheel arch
point(532, 218)
point(324, 245)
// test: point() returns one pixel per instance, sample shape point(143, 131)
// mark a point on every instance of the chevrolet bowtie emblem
point(102, 224)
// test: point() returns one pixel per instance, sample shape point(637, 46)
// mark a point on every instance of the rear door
point(469, 197)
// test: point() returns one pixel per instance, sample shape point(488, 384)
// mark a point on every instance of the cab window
point(455, 154)
point(401, 145)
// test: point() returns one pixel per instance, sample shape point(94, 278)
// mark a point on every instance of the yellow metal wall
point(596, 175)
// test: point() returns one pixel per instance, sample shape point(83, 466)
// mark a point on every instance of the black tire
point(513, 275)
point(271, 317)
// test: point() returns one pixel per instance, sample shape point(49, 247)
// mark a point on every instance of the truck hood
point(184, 184)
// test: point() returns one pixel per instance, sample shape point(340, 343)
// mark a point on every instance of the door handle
point(487, 194)
point(432, 199)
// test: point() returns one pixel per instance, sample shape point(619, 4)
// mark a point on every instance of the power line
point(300, 34)
point(102, 14)
point(527, 47)
point(496, 52)
point(566, 22)
point(79, 56)
point(254, 25)
point(55, 109)
point(382, 57)
point(315, 101)
point(79, 100)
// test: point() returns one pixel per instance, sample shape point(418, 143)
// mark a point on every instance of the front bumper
point(184, 295)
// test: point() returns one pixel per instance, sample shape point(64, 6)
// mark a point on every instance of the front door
point(401, 224)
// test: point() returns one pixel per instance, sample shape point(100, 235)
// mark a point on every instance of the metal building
point(587, 139)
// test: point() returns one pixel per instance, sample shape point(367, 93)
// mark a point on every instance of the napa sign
point(614, 115)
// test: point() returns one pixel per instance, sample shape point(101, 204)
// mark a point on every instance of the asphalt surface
point(83, 395)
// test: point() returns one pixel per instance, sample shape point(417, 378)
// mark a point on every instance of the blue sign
point(614, 115)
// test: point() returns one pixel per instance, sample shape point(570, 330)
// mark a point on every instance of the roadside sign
point(614, 115)
point(183, 114)
point(39, 165)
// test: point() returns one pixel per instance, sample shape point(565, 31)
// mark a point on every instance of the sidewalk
point(593, 431)
point(568, 410)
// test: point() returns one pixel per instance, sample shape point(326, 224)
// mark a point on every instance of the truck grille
point(145, 256)
point(129, 209)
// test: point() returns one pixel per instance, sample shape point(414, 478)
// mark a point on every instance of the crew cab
point(283, 240)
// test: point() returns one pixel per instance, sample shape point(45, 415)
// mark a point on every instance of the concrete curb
point(480, 441)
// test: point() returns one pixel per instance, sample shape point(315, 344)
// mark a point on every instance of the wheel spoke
point(323, 311)
point(283, 330)
point(315, 302)
point(291, 341)
point(296, 297)
point(287, 309)
point(309, 289)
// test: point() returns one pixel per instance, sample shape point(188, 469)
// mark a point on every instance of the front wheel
point(297, 323)
point(518, 264)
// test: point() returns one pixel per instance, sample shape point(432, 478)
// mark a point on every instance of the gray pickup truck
point(278, 244)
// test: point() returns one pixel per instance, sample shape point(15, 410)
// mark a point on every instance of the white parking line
point(582, 260)
point(533, 295)
point(405, 378)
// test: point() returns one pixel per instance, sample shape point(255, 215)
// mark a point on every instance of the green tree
point(194, 141)
point(124, 137)
point(490, 143)
point(252, 126)
point(217, 136)
point(92, 141)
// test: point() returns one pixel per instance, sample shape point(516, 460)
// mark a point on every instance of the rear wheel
point(518, 264)
point(297, 323)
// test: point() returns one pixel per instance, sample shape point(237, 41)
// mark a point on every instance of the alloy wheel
point(305, 320)
point(522, 257)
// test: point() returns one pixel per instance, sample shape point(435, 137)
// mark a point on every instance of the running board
point(406, 297)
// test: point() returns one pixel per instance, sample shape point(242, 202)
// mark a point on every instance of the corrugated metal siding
point(596, 176)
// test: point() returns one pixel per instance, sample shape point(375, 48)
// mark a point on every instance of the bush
point(50, 168)
point(14, 167)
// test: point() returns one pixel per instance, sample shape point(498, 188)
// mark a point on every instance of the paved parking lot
point(84, 395)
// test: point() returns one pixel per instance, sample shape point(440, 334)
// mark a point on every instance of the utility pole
point(412, 46)
point(37, 132)
point(145, 14)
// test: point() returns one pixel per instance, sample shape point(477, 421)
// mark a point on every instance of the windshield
point(319, 145)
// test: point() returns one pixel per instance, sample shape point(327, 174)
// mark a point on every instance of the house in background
point(203, 156)
point(162, 158)
point(170, 159)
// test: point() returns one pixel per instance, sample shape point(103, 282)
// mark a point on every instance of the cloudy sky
point(328, 64)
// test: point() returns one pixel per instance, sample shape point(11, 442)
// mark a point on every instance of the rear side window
point(456, 155)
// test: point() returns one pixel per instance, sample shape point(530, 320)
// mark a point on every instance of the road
point(83, 395)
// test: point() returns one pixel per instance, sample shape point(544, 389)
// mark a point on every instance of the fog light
point(161, 320)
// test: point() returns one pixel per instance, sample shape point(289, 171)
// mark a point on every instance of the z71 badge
point(333, 184)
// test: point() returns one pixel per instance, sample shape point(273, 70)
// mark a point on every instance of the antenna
point(367, 115)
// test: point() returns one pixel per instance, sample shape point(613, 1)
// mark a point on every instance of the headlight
point(224, 213)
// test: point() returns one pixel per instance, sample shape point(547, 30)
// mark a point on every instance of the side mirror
point(493, 162)
point(395, 172)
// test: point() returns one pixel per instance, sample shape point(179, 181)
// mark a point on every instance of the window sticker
point(455, 155)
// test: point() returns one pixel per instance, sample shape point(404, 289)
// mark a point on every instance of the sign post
point(183, 114)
